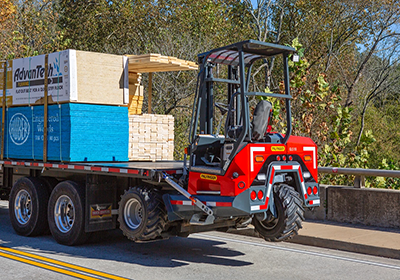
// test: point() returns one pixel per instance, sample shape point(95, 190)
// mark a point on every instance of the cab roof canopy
point(253, 50)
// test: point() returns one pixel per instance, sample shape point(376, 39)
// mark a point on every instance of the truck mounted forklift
point(235, 172)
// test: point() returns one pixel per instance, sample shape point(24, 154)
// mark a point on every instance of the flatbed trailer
point(103, 184)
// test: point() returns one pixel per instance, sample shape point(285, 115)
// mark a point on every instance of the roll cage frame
point(238, 57)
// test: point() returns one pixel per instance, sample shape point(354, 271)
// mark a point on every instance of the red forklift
point(243, 174)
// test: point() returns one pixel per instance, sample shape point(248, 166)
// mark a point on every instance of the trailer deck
point(131, 168)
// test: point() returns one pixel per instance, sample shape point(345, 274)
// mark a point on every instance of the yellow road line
point(48, 267)
point(71, 266)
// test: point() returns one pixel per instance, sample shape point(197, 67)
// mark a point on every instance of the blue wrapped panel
point(76, 132)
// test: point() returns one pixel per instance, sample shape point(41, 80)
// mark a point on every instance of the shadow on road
point(112, 245)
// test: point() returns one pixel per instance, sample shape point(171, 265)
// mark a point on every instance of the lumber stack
point(148, 63)
point(135, 94)
point(151, 137)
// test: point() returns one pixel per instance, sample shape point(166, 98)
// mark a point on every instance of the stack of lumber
point(148, 63)
point(135, 94)
point(76, 132)
point(151, 137)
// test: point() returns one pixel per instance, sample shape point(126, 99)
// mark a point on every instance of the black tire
point(50, 182)
point(66, 214)
point(141, 214)
point(28, 206)
point(290, 214)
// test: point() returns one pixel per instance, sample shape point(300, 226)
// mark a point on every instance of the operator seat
point(261, 116)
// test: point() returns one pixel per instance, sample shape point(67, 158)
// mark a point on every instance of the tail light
point(253, 195)
point(260, 195)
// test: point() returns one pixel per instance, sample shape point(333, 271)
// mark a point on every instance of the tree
point(380, 80)
point(7, 9)
point(381, 20)
point(31, 30)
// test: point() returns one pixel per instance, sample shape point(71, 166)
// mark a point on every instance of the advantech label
point(208, 177)
point(100, 211)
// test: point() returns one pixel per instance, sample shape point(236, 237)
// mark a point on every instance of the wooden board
point(135, 100)
point(149, 63)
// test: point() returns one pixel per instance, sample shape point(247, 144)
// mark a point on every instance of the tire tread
point(293, 214)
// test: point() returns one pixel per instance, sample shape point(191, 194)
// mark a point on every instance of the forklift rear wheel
point(66, 214)
point(290, 214)
point(141, 214)
point(28, 206)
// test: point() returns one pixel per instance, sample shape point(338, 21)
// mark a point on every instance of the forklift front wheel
point(290, 214)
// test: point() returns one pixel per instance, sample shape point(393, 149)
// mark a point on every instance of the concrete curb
point(346, 246)
point(331, 244)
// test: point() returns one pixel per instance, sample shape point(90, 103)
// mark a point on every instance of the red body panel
point(245, 165)
point(303, 146)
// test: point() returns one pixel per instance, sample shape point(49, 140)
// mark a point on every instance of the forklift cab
point(212, 148)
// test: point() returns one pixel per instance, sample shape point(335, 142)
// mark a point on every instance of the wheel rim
point(133, 213)
point(64, 213)
point(23, 207)
point(269, 225)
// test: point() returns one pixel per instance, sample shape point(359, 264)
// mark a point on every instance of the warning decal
point(208, 177)
point(100, 211)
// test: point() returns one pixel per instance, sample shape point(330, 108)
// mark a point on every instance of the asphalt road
point(211, 255)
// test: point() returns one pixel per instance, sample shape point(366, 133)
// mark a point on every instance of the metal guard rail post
point(359, 181)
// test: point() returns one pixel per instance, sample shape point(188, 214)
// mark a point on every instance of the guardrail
point(360, 173)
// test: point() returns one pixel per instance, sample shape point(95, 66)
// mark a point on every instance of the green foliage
point(386, 182)
point(319, 114)
point(31, 30)
point(325, 35)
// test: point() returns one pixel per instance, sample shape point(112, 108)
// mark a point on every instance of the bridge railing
point(359, 173)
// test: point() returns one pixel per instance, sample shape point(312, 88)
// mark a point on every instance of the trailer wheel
point(290, 214)
point(50, 182)
point(66, 214)
point(141, 214)
point(28, 206)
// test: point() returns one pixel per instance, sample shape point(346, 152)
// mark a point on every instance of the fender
point(275, 169)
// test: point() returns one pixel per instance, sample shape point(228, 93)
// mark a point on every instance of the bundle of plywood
point(75, 132)
point(151, 137)
point(73, 76)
